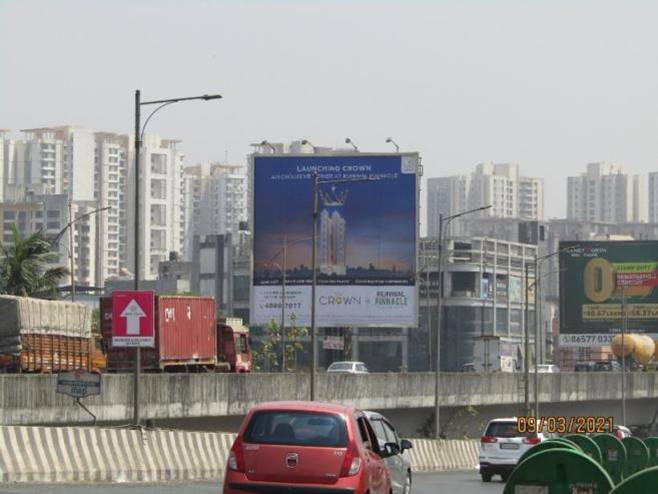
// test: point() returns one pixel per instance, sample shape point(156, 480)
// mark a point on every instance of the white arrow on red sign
point(133, 312)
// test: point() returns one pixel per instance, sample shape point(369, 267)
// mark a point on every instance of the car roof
point(508, 419)
point(347, 362)
point(373, 415)
point(303, 406)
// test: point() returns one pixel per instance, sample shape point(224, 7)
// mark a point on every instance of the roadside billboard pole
point(314, 361)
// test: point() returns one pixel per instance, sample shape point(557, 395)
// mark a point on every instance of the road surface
point(465, 482)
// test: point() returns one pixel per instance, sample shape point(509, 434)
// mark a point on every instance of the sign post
point(133, 318)
point(79, 384)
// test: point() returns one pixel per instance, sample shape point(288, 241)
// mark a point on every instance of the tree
point(268, 357)
point(23, 268)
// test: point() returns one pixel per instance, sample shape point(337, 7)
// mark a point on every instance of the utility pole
point(138, 350)
point(437, 371)
point(623, 354)
point(314, 283)
point(71, 251)
point(537, 334)
point(526, 345)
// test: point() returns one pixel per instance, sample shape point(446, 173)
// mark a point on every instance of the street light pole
point(437, 370)
point(283, 308)
point(139, 133)
point(623, 356)
point(314, 278)
point(71, 252)
point(526, 345)
point(313, 284)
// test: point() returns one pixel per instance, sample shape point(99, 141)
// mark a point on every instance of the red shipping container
point(185, 335)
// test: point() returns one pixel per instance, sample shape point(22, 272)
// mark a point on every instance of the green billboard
point(600, 282)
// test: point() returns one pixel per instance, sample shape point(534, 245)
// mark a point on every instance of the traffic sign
point(79, 383)
point(132, 319)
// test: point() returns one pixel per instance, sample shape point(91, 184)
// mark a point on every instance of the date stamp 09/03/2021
point(579, 424)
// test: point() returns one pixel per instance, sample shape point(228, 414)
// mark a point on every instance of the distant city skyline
point(544, 85)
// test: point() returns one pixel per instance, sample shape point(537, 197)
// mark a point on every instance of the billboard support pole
point(623, 357)
point(313, 285)
point(537, 336)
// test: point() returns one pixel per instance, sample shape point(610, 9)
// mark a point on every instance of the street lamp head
point(207, 97)
point(305, 142)
point(388, 139)
point(349, 141)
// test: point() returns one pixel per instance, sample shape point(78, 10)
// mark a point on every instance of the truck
point(495, 354)
point(188, 337)
point(47, 336)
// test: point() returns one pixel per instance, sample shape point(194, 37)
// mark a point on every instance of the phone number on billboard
point(586, 339)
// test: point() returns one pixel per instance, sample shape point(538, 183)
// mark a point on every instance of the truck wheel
point(486, 476)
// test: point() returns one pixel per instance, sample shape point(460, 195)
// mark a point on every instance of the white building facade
point(605, 193)
point(498, 184)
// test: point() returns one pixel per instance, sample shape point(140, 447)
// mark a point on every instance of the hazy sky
point(550, 85)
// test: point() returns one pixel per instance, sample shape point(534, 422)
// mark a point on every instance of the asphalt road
point(466, 482)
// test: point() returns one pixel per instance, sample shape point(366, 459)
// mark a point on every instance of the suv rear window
point(506, 429)
point(340, 366)
point(298, 428)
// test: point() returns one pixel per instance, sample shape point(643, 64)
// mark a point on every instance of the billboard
point(597, 281)
point(366, 240)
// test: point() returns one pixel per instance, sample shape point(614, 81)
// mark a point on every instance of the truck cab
point(233, 349)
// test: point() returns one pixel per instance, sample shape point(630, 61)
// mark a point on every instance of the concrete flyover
point(31, 399)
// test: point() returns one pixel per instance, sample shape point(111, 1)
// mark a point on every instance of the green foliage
point(269, 355)
point(23, 268)
point(96, 321)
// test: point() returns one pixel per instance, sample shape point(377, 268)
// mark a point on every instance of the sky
point(549, 85)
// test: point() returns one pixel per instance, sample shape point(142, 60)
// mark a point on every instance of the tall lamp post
point(539, 260)
point(69, 226)
point(316, 183)
point(437, 372)
point(283, 269)
point(139, 135)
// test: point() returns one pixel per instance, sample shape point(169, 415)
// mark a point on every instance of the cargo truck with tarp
point(47, 336)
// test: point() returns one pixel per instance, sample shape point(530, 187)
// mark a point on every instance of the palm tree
point(23, 267)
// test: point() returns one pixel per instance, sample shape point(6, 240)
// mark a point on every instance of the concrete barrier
point(86, 454)
point(444, 455)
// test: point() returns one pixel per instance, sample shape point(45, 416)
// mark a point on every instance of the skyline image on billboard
point(366, 232)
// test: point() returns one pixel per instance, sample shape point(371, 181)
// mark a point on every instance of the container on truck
point(187, 337)
point(184, 335)
point(47, 336)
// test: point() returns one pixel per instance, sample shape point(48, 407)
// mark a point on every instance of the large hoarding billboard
point(367, 234)
point(602, 281)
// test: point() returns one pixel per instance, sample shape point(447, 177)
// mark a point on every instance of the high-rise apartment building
point(162, 211)
point(332, 241)
point(51, 214)
point(653, 197)
point(605, 193)
point(498, 184)
point(112, 158)
point(214, 200)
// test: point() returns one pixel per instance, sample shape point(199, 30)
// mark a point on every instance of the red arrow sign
point(132, 318)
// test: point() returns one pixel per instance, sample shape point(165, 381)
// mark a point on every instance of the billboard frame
point(345, 154)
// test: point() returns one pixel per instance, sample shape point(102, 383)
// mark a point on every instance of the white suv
point(501, 447)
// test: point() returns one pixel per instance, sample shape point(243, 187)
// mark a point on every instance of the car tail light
point(531, 440)
point(488, 439)
point(236, 457)
point(351, 463)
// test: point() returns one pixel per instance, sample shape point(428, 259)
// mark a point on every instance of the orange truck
point(47, 336)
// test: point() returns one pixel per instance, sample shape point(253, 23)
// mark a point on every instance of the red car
point(307, 448)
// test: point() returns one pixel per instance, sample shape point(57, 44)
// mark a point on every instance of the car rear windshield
point(506, 429)
point(340, 366)
point(298, 428)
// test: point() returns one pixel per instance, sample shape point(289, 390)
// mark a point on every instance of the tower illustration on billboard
point(333, 234)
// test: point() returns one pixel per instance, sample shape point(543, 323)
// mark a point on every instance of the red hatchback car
point(305, 448)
